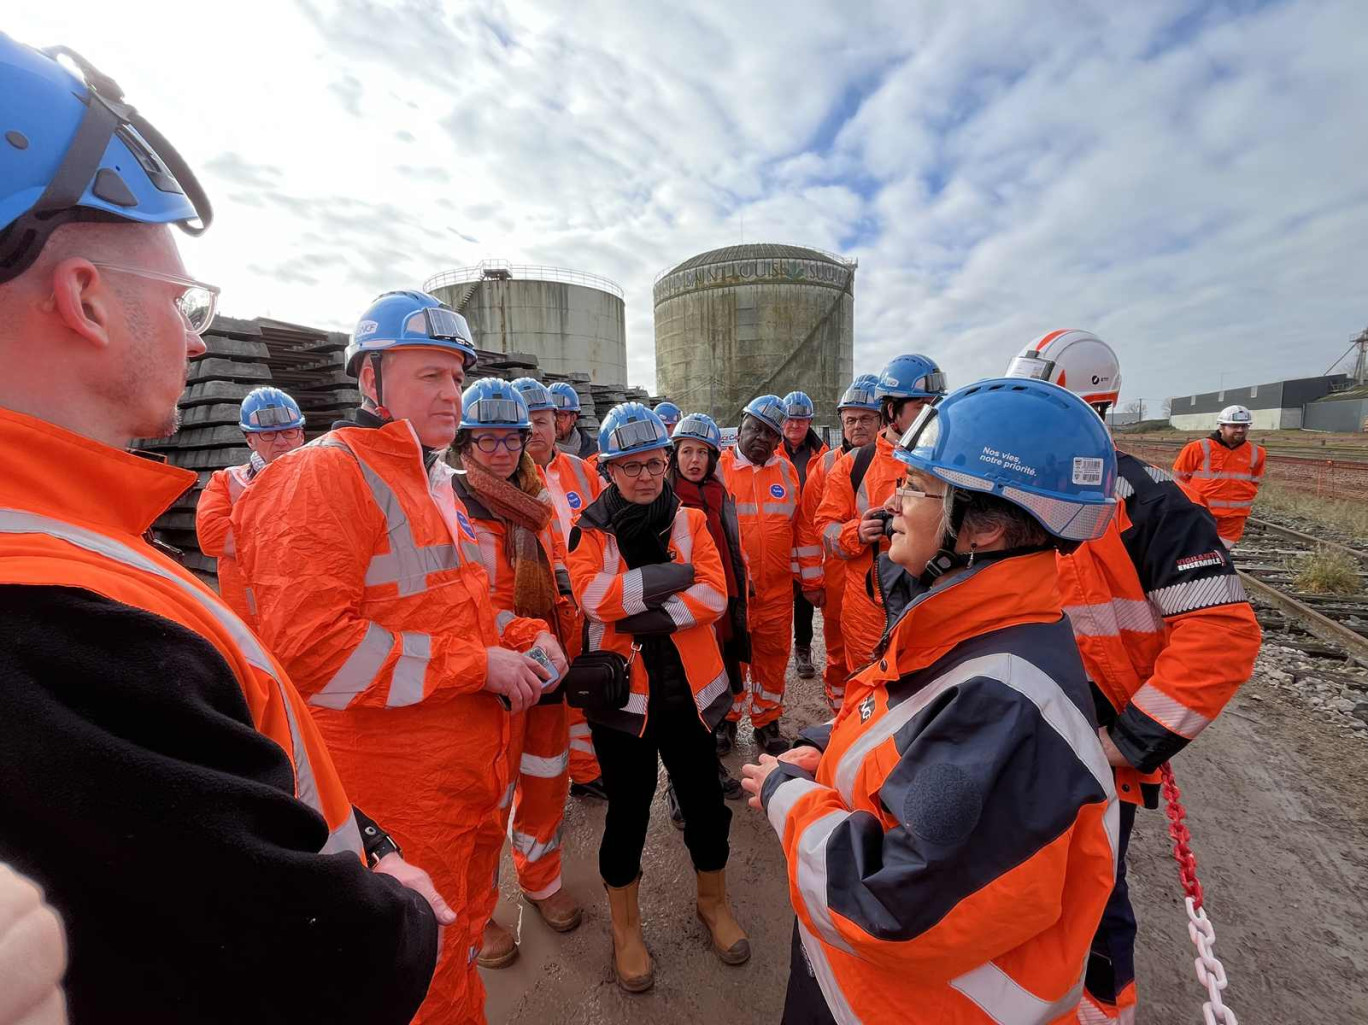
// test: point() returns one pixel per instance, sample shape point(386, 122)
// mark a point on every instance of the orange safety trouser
point(862, 619)
point(834, 676)
point(539, 765)
point(770, 621)
point(584, 766)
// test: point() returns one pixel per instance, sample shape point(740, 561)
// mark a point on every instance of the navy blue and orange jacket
point(1161, 620)
point(950, 859)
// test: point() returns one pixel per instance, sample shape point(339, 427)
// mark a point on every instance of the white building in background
point(1277, 406)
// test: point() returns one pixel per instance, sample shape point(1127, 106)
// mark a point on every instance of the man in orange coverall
point(850, 517)
point(765, 487)
point(273, 425)
point(370, 588)
point(1225, 471)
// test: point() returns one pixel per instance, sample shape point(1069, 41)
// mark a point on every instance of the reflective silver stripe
point(584, 747)
point(632, 584)
point(502, 619)
point(837, 1004)
point(359, 671)
point(829, 460)
point(410, 672)
point(251, 600)
point(768, 695)
point(1220, 504)
point(747, 509)
point(507, 798)
point(811, 572)
point(785, 796)
point(599, 584)
point(582, 475)
point(1169, 712)
point(1225, 476)
point(675, 608)
point(1024, 678)
point(597, 631)
point(544, 768)
point(405, 564)
point(680, 535)
point(832, 537)
point(793, 566)
point(489, 554)
point(785, 509)
point(1006, 1002)
point(579, 729)
point(1191, 595)
point(862, 497)
point(809, 551)
point(636, 704)
point(811, 857)
point(533, 849)
point(1206, 455)
point(705, 697)
point(1108, 619)
point(346, 837)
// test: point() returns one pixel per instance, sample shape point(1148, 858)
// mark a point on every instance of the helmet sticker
point(777, 490)
point(365, 328)
point(1087, 471)
point(1012, 461)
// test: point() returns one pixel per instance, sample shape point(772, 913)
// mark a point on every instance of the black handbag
point(599, 679)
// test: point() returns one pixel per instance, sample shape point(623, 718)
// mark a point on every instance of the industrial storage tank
point(751, 319)
point(571, 321)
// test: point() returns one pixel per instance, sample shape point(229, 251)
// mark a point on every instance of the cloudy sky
point(1188, 179)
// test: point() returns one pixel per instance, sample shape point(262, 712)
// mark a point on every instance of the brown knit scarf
point(524, 506)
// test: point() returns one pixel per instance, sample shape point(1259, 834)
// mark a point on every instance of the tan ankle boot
point(729, 940)
point(498, 949)
point(631, 960)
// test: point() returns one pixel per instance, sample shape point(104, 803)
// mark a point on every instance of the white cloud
point(1185, 179)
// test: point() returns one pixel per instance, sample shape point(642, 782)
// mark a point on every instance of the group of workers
point(288, 800)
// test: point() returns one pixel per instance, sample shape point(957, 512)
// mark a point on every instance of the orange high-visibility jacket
point(370, 588)
point(214, 529)
point(573, 485)
point(833, 576)
point(52, 535)
point(1227, 479)
point(1162, 622)
point(951, 857)
point(838, 522)
point(769, 509)
point(618, 601)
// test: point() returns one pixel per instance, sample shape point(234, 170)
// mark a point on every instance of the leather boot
point(560, 910)
point(497, 947)
point(729, 941)
point(802, 660)
point(631, 959)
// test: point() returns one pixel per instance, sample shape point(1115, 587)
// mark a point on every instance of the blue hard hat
point(407, 320)
point(71, 149)
point(860, 394)
point(910, 377)
point(769, 410)
point(668, 412)
point(698, 427)
point(491, 402)
point(1031, 443)
point(799, 406)
point(565, 397)
point(630, 428)
point(534, 393)
point(269, 409)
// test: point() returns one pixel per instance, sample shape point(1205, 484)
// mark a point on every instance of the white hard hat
point(1237, 415)
point(1073, 359)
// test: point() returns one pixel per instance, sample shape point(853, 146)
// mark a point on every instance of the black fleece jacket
point(163, 827)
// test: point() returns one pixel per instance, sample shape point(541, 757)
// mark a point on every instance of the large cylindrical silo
point(751, 319)
point(571, 321)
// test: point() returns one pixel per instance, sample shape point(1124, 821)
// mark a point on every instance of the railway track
point(1266, 558)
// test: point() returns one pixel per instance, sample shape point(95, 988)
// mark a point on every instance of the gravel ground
point(1278, 808)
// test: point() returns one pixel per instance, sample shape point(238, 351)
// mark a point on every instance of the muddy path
point(1278, 806)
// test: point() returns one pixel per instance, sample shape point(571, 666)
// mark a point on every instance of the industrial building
point(1280, 405)
point(569, 320)
point(752, 319)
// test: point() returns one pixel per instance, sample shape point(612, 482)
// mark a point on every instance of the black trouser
point(1111, 962)
point(804, 1003)
point(629, 775)
point(802, 619)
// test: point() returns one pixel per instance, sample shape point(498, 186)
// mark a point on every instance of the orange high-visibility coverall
point(769, 512)
point(833, 578)
point(574, 484)
point(1226, 479)
point(838, 522)
point(538, 748)
point(1167, 637)
point(951, 856)
point(370, 588)
point(214, 529)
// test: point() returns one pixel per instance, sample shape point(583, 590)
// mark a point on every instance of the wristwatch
point(374, 840)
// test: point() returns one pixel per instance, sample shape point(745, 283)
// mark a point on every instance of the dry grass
point(1347, 515)
point(1327, 571)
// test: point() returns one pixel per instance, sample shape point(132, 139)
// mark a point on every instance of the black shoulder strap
point(864, 455)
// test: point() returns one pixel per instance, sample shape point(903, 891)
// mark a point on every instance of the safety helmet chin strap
point(947, 559)
point(380, 410)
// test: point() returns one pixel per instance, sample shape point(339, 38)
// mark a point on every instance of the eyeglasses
point(196, 304)
point(655, 467)
point(859, 419)
point(290, 434)
point(903, 491)
point(489, 444)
